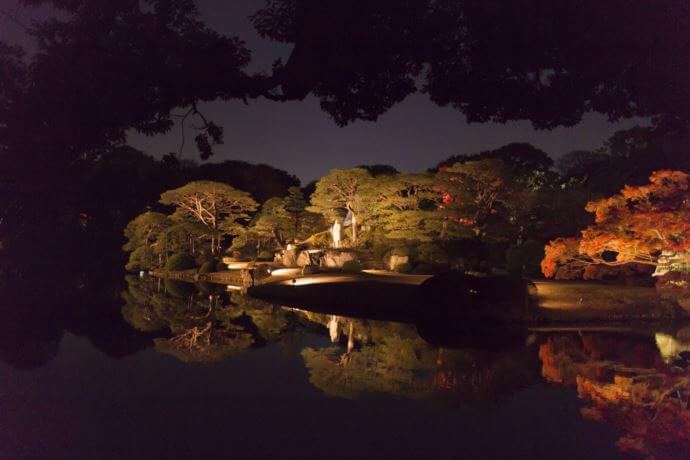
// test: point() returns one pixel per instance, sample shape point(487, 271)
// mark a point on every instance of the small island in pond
point(479, 238)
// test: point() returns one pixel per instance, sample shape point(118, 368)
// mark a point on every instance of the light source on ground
point(237, 265)
point(284, 271)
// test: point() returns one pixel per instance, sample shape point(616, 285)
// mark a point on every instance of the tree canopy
point(217, 206)
point(130, 64)
point(340, 192)
point(631, 227)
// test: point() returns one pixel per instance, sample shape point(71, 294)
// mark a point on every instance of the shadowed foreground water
point(227, 376)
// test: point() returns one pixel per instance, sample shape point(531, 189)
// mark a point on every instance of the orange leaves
point(558, 253)
point(631, 227)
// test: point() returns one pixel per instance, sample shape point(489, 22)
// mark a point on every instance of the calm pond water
point(171, 370)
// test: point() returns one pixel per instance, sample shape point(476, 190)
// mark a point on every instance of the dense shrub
point(265, 255)
point(321, 240)
point(208, 267)
point(204, 258)
point(180, 262)
point(352, 266)
point(525, 258)
point(404, 268)
point(400, 251)
point(141, 258)
point(423, 269)
point(379, 251)
point(430, 253)
point(261, 271)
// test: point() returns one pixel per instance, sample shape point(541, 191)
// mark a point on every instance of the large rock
point(289, 258)
point(394, 261)
point(336, 259)
point(303, 259)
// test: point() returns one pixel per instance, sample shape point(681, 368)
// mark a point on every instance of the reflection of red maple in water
point(444, 380)
point(628, 386)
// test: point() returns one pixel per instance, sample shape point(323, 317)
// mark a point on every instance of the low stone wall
point(603, 300)
point(331, 258)
point(191, 276)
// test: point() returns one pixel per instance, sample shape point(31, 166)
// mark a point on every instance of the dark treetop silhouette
point(129, 63)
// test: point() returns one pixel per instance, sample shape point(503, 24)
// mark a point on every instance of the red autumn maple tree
point(631, 227)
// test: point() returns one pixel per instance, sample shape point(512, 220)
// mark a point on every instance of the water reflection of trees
point(200, 323)
point(627, 384)
point(391, 358)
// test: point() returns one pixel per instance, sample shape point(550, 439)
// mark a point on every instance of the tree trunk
point(354, 228)
point(278, 238)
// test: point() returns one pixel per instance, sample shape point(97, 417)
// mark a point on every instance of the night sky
point(300, 138)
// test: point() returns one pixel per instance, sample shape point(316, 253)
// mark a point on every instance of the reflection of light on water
point(333, 328)
point(556, 297)
point(669, 346)
point(233, 287)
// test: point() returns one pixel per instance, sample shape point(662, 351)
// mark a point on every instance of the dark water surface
point(191, 373)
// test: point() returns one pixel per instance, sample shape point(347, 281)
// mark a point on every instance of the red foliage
point(633, 226)
point(628, 385)
point(559, 259)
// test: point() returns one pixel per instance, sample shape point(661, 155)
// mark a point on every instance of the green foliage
point(352, 266)
point(339, 191)
point(320, 240)
point(343, 191)
point(178, 262)
point(404, 268)
point(272, 221)
point(218, 207)
point(522, 157)
point(380, 251)
point(144, 229)
point(280, 221)
point(180, 237)
point(142, 258)
point(204, 258)
point(142, 234)
point(265, 255)
point(431, 253)
point(404, 206)
point(208, 267)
